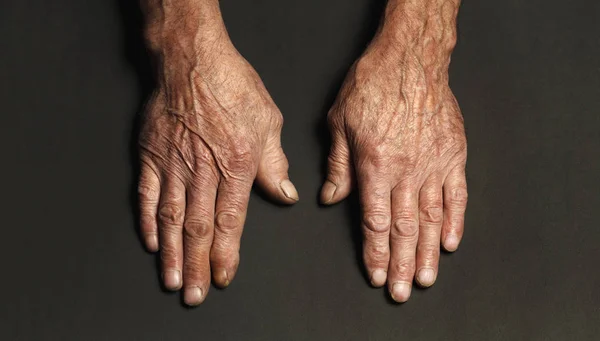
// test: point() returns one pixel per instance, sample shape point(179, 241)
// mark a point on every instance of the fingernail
point(192, 295)
point(152, 242)
point(222, 278)
point(289, 190)
point(378, 278)
point(172, 279)
point(328, 191)
point(426, 277)
point(401, 291)
point(451, 243)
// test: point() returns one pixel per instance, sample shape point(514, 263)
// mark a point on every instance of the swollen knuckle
point(171, 214)
point(458, 196)
point(228, 221)
point(377, 252)
point(241, 150)
point(197, 228)
point(377, 222)
point(240, 159)
point(406, 226)
point(405, 268)
point(278, 120)
point(147, 192)
point(432, 214)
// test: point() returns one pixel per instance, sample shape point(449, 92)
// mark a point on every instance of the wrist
point(426, 27)
point(418, 35)
point(188, 30)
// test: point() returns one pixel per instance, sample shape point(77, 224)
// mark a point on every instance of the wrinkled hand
point(398, 133)
point(210, 130)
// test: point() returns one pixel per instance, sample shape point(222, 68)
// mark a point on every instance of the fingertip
point(426, 277)
point(221, 278)
point(289, 190)
point(172, 279)
point(333, 193)
point(400, 291)
point(328, 192)
point(151, 241)
point(378, 278)
point(451, 243)
point(193, 295)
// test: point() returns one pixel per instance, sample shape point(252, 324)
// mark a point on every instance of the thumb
point(272, 176)
point(339, 171)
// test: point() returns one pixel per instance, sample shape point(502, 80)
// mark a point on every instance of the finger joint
point(197, 228)
point(171, 214)
point(228, 222)
point(406, 226)
point(432, 215)
point(377, 222)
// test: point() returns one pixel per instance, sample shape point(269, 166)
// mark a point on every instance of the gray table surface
point(527, 76)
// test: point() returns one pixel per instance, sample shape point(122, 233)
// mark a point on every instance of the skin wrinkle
point(207, 129)
point(396, 121)
point(402, 124)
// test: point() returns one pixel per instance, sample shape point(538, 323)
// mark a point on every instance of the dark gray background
point(526, 73)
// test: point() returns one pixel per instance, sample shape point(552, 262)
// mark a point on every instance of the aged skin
point(398, 134)
point(211, 130)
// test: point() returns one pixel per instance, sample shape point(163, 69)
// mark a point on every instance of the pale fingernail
point(289, 190)
point(172, 279)
point(328, 191)
point(378, 277)
point(426, 277)
point(152, 242)
point(401, 291)
point(192, 295)
point(222, 278)
point(451, 243)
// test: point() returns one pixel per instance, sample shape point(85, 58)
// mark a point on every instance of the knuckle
point(225, 251)
point(239, 159)
point(147, 192)
point(377, 222)
point(373, 158)
point(432, 214)
point(333, 120)
point(405, 268)
point(458, 196)
point(170, 214)
point(377, 252)
point(278, 119)
point(406, 225)
point(241, 150)
point(451, 40)
point(197, 228)
point(377, 160)
point(228, 221)
point(429, 251)
point(226, 257)
point(363, 68)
